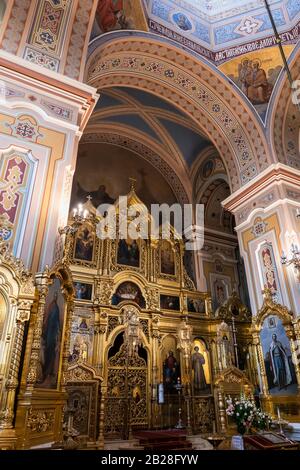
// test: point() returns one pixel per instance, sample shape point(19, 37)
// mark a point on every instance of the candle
point(278, 413)
point(85, 214)
point(79, 209)
point(214, 427)
point(74, 212)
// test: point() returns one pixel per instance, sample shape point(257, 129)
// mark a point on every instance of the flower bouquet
point(243, 412)
point(262, 420)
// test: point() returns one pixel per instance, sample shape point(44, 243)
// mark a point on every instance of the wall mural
point(256, 74)
point(269, 271)
point(53, 323)
point(113, 15)
point(107, 178)
point(280, 369)
point(130, 292)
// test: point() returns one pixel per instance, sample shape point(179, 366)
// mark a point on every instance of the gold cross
point(132, 183)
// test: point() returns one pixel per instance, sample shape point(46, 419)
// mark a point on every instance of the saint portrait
point(83, 291)
point(200, 368)
point(84, 245)
point(170, 372)
point(280, 370)
point(128, 253)
point(182, 21)
point(196, 305)
point(167, 258)
point(169, 302)
point(52, 329)
point(207, 168)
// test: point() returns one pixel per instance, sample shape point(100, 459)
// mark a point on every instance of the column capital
point(275, 175)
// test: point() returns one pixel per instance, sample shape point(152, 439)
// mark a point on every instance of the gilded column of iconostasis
point(42, 115)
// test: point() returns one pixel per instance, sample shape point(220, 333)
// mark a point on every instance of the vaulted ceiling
point(153, 117)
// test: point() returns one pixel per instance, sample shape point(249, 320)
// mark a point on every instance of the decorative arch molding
point(195, 87)
point(145, 149)
point(280, 110)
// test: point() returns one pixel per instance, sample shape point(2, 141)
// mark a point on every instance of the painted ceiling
point(216, 25)
point(155, 118)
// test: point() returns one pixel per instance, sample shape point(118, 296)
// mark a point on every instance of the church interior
point(118, 106)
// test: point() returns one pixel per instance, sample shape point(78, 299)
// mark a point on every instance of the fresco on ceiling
point(103, 171)
point(256, 74)
point(114, 15)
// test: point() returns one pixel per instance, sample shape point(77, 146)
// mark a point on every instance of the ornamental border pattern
point(77, 39)
point(281, 116)
point(171, 74)
point(15, 26)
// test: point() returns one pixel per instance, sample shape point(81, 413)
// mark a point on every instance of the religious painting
point(83, 291)
point(81, 346)
point(83, 324)
point(97, 196)
point(128, 253)
point(167, 258)
point(84, 245)
point(196, 305)
point(269, 270)
point(52, 330)
point(200, 368)
point(113, 15)
point(220, 293)
point(3, 308)
point(182, 21)
point(207, 168)
point(255, 74)
point(279, 366)
point(169, 302)
point(171, 373)
point(128, 291)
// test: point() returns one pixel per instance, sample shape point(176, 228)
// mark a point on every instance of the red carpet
point(163, 440)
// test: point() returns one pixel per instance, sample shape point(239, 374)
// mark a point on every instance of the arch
point(138, 300)
point(270, 307)
point(120, 329)
point(191, 84)
point(278, 112)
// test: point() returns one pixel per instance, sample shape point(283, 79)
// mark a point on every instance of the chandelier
point(294, 260)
